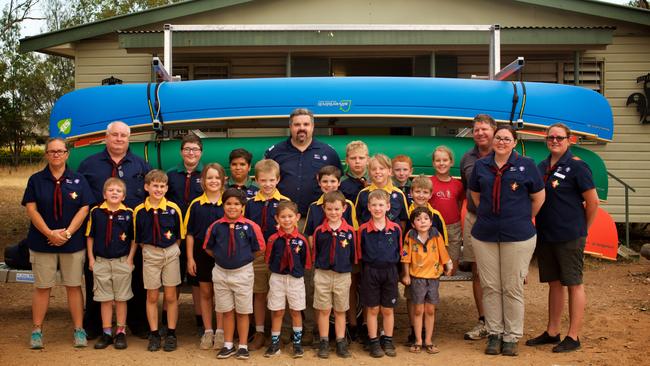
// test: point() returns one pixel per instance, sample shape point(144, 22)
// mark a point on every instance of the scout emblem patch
point(123, 236)
point(555, 183)
point(344, 243)
point(74, 195)
point(168, 234)
point(514, 186)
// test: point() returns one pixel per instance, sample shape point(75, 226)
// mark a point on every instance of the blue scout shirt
point(200, 215)
point(406, 188)
point(234, 243)
point(161, 227)
point(184, 187)
point(398, 205)
point(438, 221)
point(262, 212)
point(250, 188)
point(562, 217)
point(504, 215)
point(57, 202)
point(351, 185)
point(335, 249)
point(112, 231)
point(299, 169)
point(316, 215)
point(131, 169)
point(288, 254)
point(380, 247)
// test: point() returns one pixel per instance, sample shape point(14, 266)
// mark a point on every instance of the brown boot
point(258, 342)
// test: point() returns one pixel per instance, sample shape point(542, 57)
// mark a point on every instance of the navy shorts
point(204, 265)
point(561, 261)
point(379, 286)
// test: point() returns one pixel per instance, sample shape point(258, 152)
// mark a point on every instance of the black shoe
point(493, 345)
point(389, 348)
point(154, 343)
point(568, 344)
point(342, 349)
point(104, 341)
point(323, 349)
point(544, 338)
point(170, 343)
point(273, 350)
point(242, 354)
point(410, 340)
point(509, 349)
point(298, 352)
point(226, 352)
point(120, 341)
point(375, 349)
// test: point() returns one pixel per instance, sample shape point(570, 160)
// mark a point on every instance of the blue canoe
point(351, 101)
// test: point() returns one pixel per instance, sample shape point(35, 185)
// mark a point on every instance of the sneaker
point(298, 352)
point(257, 342)
point(242, 354)
point(544, 338)
point(568, 344)
point(273, 350)
point(104, 341)
point(509, 349)
point(36, 341)
point(207, 341)
point(375, 349)
point(226, 352)
point(170, 343)
point(323, 349)
point(120, 341)
point(493, 345)
point(389, 348)
point(80, 338)
point(154, 343)
point(478, 332)
point(218, 340)
point(342, 349)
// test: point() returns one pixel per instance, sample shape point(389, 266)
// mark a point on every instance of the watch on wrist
point(67, 234)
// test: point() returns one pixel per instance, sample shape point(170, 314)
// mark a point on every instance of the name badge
point(559, 175)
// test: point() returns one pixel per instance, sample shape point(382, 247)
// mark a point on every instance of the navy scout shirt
point(234, 243)
point(288, 253)
point(112, 231)
point(57, 201)
point(335, 249)
point(398, 205)
point(262, 212)
point(351, 185)
point(131, 169)
point(380, 247)
point(504, 215)
point(250, 188)
point(298, 169)
point(562, 217)
point(184, 187)
point(316, 215)
point(406, 188)
point(200, 215)
point(162, 226)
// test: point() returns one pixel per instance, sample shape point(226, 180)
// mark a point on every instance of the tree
point(639, 4)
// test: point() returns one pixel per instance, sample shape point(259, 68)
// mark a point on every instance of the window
point(202, 71)
point(590, 74)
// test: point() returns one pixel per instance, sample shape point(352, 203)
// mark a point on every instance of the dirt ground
point(616, 329)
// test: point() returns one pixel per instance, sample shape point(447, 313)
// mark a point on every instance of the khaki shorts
point(454, 232)
point(161, 266)
point(232, 289)
point(468, 252)
point(331, 290)
point(262, 276)
point(44, 266)
point(112, 279)
point(287, 287)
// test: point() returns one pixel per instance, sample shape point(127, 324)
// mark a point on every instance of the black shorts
point(561, 261)
point(204, 264)
point(379, 286)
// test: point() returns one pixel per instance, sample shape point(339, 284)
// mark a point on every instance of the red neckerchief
point(115, 165)
point(58, 197)
point(188, 183)
point(287, 257)
point(231, 233)
point(157, 237)
point(264, 212)
point(325, 227)
point(496, 190)
point(109, 225)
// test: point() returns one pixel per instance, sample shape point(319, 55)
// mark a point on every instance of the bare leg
point(371, 320)
point(40, 303)
point(206, 296)
point(229, 326)
point(172, 306)
point(577, 301)
point(388, 320)
point(339, 324)
point(242, 328)
point(76, 305)
point(196, 300)
point(324, 322)
point(429, 322)
point(555, 307)
point(418, 311)
point(259, 308)
point(120, 312)
point(107, 314)
point(152, 309)
point(276, 320)
point(296, 318)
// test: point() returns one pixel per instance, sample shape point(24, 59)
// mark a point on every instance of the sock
point(108, 331)
point(218, 331)
point(228, 345)
point(275, 337)
point(208, 331)
point(339, 340)
point(120, 329)
point(259, 328)
point(244, 346)
point(171, 332)
point(374, 340)
point(324, 339)
point(164, 317)
point(388, 339)
point(155, 333)
point(481, 318)
point(199, 320)
point(297, 334)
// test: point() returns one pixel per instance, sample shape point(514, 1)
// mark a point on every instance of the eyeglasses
point(188, 150)
point(556, 138)
point(56, 152)
point(505, 140)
